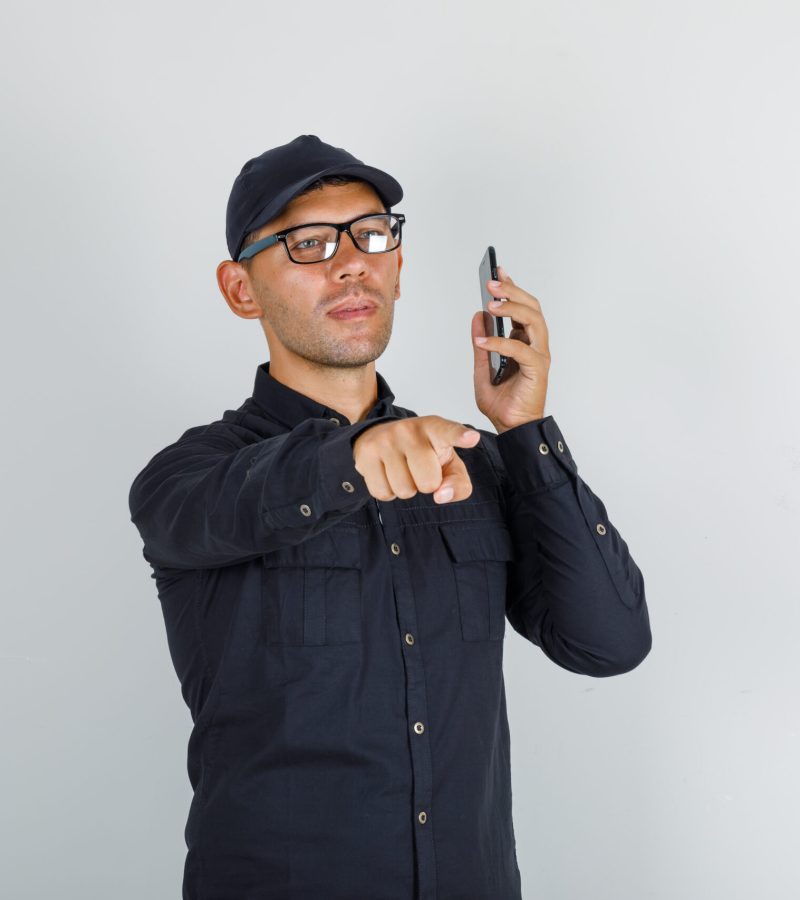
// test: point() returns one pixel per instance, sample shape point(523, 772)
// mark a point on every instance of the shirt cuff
point(536, 456)
point(342, 485)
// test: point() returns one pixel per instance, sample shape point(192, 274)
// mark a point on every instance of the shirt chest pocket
point(311, 592)
point(480, 554)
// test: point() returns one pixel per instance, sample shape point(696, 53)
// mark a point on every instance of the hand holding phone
point(492, 325)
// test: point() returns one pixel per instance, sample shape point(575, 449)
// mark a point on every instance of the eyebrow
point(381, 212)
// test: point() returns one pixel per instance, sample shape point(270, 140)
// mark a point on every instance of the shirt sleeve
point(574, 589)
point(204, 503)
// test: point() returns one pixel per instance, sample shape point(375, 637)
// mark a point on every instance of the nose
point(348, 261)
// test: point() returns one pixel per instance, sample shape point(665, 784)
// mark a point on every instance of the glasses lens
point(311, 243)
point(373, 234)
point(376, 234)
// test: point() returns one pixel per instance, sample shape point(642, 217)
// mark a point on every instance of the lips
point(350, 305)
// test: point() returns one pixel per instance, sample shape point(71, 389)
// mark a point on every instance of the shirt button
point(305, 509)
point(396, 549)
point(348, 487)
point(409, 639)
point(423, 817)
point(560, 446)
point(419, 727)
point(601, 529)
point(544, 449)
point(335, 420)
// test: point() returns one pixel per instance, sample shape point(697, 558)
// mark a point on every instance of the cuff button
point(305, 509)
point(544, 449)
point(560, 446)
point(348, 487)
point(601, 529)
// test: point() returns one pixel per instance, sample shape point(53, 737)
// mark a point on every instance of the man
point(335, 572)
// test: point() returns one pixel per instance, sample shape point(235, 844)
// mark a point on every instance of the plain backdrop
point(635, 164)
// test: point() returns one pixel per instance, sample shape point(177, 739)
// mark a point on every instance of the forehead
point(331, 203)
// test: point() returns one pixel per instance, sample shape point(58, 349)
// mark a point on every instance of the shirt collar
point(290, 407)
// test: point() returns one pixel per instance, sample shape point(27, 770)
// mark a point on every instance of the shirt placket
point(416, 703)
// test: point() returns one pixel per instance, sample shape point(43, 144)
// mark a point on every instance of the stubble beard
point(324, 341)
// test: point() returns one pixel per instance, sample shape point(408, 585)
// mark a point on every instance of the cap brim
point(387, 187)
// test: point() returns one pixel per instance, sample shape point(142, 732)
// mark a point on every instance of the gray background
point(635, 164)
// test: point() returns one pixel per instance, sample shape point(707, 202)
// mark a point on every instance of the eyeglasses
point(318, 241)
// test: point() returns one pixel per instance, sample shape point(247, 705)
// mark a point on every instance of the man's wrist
point(500, 428)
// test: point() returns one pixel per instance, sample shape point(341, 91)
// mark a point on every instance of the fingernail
point(494, 283)
point(495, 303)
point(445, 494)
point(480, 340)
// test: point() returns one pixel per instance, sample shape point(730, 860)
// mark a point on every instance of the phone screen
point(493, 325)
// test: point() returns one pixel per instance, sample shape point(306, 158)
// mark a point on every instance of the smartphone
point(493, 325)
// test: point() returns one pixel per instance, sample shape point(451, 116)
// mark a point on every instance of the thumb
point(459, 436)
point(447, 434)
point(466, 436)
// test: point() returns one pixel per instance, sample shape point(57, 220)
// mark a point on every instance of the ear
point(399, 266)
point(235, 286)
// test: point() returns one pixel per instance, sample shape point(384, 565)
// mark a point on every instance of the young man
point(335, 572)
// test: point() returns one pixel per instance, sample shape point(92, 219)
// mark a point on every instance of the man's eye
point(307, 244)
point(369, 233)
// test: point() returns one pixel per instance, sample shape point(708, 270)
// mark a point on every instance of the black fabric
point(268, 182)
point(343, 668)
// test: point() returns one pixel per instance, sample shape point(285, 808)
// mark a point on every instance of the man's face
point(296, 299)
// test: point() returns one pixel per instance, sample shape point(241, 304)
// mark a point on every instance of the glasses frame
point(280, 237)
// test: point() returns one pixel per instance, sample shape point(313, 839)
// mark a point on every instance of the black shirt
point(342, 656)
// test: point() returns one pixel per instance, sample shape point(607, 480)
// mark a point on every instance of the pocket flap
point(482, 540)
point(333, 548)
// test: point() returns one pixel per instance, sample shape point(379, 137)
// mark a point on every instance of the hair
point(252, 236)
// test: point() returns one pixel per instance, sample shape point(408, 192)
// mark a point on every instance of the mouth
point(353, 308)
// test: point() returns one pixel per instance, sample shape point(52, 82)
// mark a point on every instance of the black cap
point(268, 182)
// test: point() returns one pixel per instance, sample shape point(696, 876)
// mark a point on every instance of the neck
point(351, 391)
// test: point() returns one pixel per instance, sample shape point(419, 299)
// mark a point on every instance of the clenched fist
point(397, 459)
